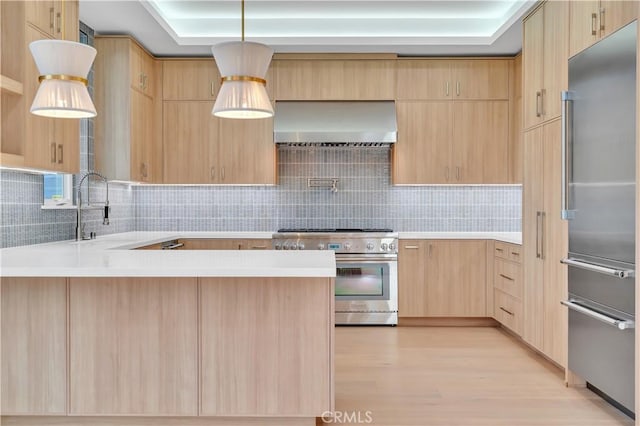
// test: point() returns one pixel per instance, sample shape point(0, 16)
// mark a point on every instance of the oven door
point(366, 284)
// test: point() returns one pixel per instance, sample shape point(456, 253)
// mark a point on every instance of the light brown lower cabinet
point(225, 244)
point(264, 350)
point(34, 346)
point(442, 278)
point(133, 346)
point(508, 291)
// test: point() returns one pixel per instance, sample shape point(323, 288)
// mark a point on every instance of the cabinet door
point(42, 14)
point(142, 138)
point(34, 346)
point(515, 123)
point(480, 79)
point(211, 244)
point(532, 57)
point(141, 69)
point(246, 152)
point(335, 79)
point(133, 346)
point(555, 248)
point(261, 244)
point(68, 140)
point(456, 278)
point(583, 25)
point(480, 142)
point(190, 80)
point(70, 12)
point(41, 148)
point(556, 54)
point(189, 131)
point(533, 206)
point(423, 79)
point(412, 280)
point(614, 14)
point(423, 150)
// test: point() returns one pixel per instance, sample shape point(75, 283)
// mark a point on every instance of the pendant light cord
point(242, 20)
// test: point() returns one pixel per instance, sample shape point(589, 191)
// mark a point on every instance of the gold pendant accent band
point(63, 77)
point(243, 78)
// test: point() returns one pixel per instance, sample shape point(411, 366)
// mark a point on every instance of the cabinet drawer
point(507, 311)
point(508, 277)
point(508, 251)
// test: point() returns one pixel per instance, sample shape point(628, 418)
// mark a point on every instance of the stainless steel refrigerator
point(599, 145)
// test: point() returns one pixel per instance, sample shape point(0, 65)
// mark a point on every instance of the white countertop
point(110, 256)
point(507, 237)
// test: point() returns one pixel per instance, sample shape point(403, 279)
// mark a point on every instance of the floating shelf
point(10, 85)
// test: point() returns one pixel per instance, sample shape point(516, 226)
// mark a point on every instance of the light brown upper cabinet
point(452, 79)
point(442, 278)
point(126, 138)
point(28, 140)
point(200, 148)
point(591, 20)
point(324, 79)
point(195, 80)
point(545, 52)
point(190, 80)
point(515, 122)
point(142, 70)
point(456, 143)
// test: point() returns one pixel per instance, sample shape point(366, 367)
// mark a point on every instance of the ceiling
point(415, 27)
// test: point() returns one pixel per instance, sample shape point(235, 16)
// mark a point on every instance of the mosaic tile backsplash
point(365, 198)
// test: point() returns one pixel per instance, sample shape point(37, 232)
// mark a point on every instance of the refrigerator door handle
point(618, 273)
point(567, 125)
point(574, 305)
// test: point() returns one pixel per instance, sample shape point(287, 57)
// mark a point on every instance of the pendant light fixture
point(63, 66)
point(243, 66)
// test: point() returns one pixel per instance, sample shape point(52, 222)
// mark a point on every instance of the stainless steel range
point(366, 270)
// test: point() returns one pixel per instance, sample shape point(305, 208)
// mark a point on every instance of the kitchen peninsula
point(94, 331)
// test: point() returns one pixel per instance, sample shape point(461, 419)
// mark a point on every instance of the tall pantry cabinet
point(545, 237)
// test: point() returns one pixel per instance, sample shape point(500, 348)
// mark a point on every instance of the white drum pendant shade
point(243, 66)
point(63, 66)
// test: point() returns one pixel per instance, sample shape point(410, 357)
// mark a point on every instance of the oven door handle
point(365, 259)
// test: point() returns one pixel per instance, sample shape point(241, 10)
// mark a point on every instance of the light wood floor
point(456, 377)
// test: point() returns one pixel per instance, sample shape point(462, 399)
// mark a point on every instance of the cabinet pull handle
point(457, 88)
point(144, 82)
point(213, 89)
point(143, 170)
point(258, 247)
point(538, 99)
point(506, 277)
point(51, 19)
point(538, 235)
point(499, 249)
point(594, 24)
point(141, 81)
point(60, 153)
point(503, 309)
point(213, 173)
point(602, 19)
point(59, 22)
point(53, 152)
point(222, 173)
point(457, 173)
point(447, 89)
point(446, 173)
point(411, 247)
point(515, 253)
point(543, 216)
point(430, 250)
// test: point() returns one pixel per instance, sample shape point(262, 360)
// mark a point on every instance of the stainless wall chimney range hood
point(363, 123)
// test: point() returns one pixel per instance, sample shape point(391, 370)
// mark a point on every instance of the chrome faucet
point(80, 234)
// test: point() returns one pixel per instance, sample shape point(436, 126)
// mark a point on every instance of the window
point(58, 190)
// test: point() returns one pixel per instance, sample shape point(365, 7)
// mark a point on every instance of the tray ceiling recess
point(416, 27)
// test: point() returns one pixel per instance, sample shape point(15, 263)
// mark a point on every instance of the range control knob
point(370, 246)
point(347, 246)
point(300, 245)
point(293, 246)
point(384, 246)
point(321, 246)
point(278, 246)
point(392, 247)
